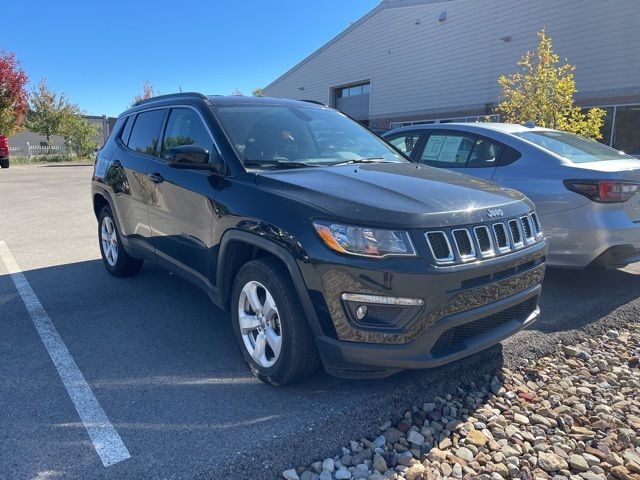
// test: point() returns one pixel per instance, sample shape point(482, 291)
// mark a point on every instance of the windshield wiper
point(277, 164)
point(363, 160)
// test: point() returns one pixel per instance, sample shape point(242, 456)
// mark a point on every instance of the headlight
point(368, 242)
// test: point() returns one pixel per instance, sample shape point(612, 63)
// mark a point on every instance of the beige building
point(411, 61)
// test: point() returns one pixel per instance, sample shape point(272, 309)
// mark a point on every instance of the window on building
point(607, 127)
point(352, 91)
point(145, 134)
point(626, 131)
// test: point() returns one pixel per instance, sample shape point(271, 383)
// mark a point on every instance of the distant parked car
point(586, 194)
point(4, 152)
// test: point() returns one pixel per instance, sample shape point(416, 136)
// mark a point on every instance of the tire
point(4, 163)
point(116, 260)
point(298, 356)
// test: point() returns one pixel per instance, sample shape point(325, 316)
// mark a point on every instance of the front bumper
point(466, 308)
point(366, 360)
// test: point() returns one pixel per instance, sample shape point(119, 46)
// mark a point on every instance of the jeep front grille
point(501, 236)
point(483, 237)
point(440, 246)
point(516, 233)
point(527, 225)
point(536, 224)
point(464, 244)
point(454, 339)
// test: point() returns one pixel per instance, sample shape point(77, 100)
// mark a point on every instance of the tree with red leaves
point(14, 98)
point(147, 92)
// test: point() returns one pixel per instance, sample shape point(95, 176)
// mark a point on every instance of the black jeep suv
point(324, 242)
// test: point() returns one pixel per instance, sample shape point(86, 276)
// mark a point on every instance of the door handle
point(117, 164)
point(155, 177)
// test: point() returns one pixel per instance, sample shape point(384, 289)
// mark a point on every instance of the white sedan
point(587, 195)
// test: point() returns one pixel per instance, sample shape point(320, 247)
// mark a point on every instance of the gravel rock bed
point(571, 415)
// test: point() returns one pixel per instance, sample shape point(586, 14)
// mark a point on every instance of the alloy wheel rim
point(260, 324)
point(109, 240)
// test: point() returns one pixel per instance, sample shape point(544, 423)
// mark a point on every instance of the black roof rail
point(315, 101)
point(172, 95)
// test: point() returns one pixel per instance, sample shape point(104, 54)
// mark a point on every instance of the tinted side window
point(448, 150)
point(145, 134)
point(405, 142)
point(126, 131)
point(185, 128)
point(509, 155)
point(485, 153)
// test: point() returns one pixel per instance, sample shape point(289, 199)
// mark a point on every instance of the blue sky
point(99, 53)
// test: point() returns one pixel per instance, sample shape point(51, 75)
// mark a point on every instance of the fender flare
point(107, 196)
point(104, 193)
point(224, 284)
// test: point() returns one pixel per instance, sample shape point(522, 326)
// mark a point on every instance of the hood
point(396, 194)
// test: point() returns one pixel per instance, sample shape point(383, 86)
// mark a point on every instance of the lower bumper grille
point(451, 340)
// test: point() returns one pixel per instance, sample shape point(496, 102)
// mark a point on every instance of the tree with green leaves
point(79, 135)
point(50, 113)
point(257, 92)
point(14, 98)
point(542, 90)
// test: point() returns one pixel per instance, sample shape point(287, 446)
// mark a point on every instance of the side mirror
point(192, 156)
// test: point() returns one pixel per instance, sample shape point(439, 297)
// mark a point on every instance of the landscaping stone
point(290, 474)
point(573, 415)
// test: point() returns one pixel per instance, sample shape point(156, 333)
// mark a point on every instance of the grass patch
point(44, 159)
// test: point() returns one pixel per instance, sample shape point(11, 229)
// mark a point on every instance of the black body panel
point(201, 223)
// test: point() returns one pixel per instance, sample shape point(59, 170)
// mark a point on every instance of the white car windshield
point(286, 136)
point(572, 147)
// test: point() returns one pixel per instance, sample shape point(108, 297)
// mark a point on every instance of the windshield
point(572, 147)
point(284, 136)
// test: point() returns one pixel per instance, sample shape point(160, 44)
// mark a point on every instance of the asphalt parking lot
point(161, 361)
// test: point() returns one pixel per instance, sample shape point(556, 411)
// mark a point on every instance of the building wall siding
point(417, 64)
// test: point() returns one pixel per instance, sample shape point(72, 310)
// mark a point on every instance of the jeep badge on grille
point(495, 213)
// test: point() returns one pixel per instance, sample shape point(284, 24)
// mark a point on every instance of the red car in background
point(4, 152)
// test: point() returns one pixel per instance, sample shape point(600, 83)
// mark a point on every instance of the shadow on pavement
point(574, 298)
point(163, 362)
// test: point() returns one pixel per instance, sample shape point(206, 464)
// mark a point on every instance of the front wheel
point(116, 260)
point(4, 163)
point(271, 330)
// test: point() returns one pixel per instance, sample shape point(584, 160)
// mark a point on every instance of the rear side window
point(485, 153)
point(509, 155)
point(572, 147)
point(145, 133)
point(447, 150)
point(404, 142)
point(126, 130)
point(185, 127)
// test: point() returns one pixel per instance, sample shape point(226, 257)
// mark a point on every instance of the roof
point(384, 4)
point(242, 100)
point(477, 127)
point(174, 98)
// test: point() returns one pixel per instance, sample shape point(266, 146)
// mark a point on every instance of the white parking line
point(104, 436)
